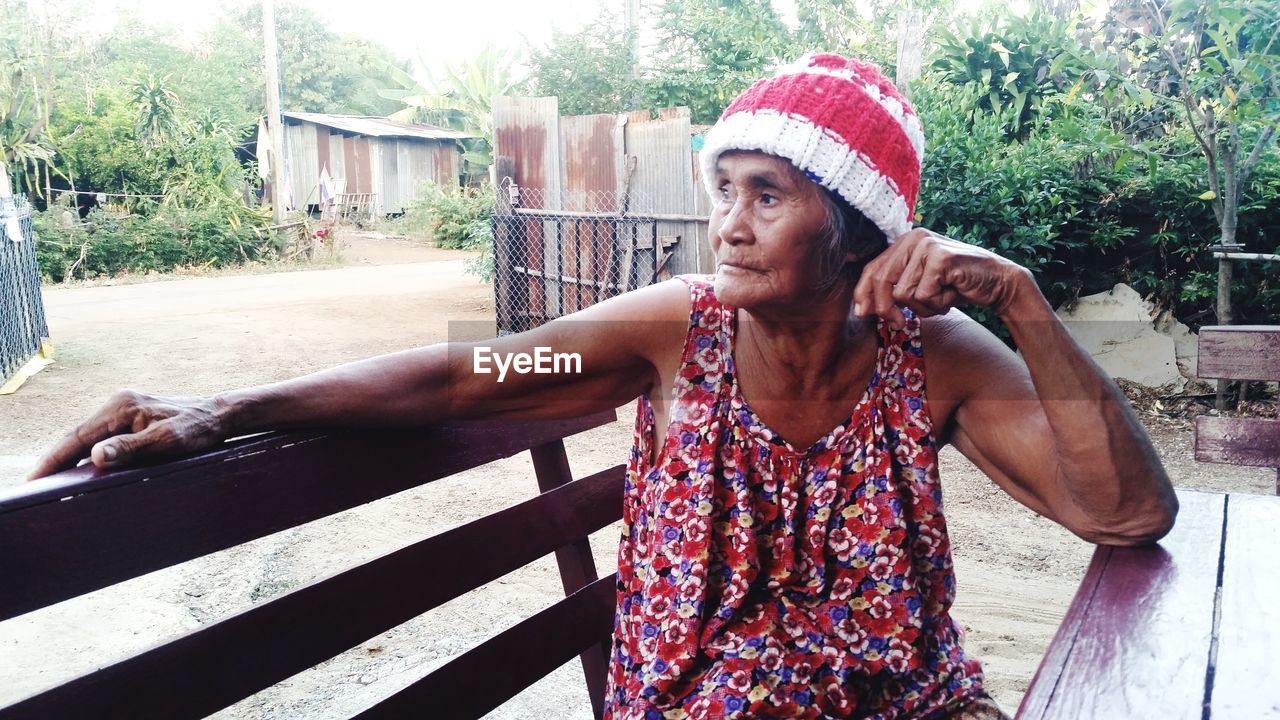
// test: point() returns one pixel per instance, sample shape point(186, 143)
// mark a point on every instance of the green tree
point(591, 71)
point(320, 71)
point(1226, 56)
point(27, 78)
point(708, 51)
point(460, 96)
point(156, 108)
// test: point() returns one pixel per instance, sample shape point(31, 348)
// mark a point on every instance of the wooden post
point(504, 173)
point(273, 112)
point(1224, 318)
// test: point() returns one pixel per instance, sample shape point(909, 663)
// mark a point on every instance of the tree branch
point(1247, 169)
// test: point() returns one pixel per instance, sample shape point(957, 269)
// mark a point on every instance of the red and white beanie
point(842, 123)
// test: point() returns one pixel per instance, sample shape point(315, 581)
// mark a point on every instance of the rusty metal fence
point(552, 262)
point(22, 322)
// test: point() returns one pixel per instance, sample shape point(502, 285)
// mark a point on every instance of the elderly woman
point(784, 551)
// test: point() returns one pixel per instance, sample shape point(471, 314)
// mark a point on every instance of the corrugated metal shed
point(368, 155)
point(378, 127)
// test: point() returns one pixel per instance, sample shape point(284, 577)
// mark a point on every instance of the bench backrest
point(80, 531)
point(1239, 352)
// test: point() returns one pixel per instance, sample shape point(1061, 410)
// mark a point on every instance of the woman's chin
point(736, 291)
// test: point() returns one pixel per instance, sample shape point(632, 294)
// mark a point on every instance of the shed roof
point(378, 126)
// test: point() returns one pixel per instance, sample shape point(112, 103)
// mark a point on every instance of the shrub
point(457, 219)
point(1080, 216)
point(105, 245)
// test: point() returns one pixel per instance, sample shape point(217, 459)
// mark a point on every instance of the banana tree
point(459, 97)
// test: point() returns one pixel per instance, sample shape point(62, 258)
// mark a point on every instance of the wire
point(106, 194)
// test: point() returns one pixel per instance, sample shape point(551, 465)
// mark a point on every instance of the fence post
point(1223, 310)
point(505, 174)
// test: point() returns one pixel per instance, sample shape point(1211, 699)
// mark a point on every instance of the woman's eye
point(768, 199)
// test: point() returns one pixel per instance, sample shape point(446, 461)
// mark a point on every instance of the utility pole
point(274, 128)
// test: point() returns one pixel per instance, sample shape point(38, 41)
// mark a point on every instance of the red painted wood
point(80, 530)
point(492, 673)
point(1141, 648)
point(1238, 441)
point(577, 568)
point(1247, 677)
point(219, 664)
point(1239, 352)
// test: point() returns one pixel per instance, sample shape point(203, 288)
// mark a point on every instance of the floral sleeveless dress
point(756, 580)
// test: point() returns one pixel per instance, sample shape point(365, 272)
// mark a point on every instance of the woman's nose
point(735, 229)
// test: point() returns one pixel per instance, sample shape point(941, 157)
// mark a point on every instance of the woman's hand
point(931, 274)
point(133, 426)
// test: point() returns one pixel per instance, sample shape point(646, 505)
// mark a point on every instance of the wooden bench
point(1239, 352)
point(80, 531)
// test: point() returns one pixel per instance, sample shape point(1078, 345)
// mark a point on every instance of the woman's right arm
point(619, 344)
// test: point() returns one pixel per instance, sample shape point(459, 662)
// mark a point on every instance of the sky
point(435, 30)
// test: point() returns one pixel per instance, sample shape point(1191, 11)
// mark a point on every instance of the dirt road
point(1016, 571)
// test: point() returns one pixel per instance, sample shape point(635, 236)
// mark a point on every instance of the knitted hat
point(842, 123)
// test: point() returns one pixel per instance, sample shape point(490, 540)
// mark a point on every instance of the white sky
point(438, 31)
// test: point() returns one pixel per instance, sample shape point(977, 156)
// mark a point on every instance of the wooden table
point(1188, 628)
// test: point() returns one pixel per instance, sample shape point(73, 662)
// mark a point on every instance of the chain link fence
point(557, 255)
point(22, 322)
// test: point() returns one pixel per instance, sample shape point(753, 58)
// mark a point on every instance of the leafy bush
point(105, 246)
point(457, 219)
point(1080, 216)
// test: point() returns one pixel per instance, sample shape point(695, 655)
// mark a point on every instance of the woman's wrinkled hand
point(931, 274)
point(134, 426)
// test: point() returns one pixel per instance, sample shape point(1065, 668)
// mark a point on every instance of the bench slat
point(1250, 581)
point(577, 566)
point(1136, 627)
point(1239, 352)
point(492, 673)
point(79, 531)
point(1238, 441)
point(222, 663)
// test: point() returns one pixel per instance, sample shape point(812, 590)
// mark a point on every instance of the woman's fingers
point(133, 426)
point(874, 293)
point(154, 440)
point(114, 416)
point(70, 450)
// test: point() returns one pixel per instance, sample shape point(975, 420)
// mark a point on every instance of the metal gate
point(23, 328)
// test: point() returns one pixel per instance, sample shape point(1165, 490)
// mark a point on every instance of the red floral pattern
point(756, 580)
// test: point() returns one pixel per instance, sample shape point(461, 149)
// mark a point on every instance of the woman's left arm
point(1050, 427)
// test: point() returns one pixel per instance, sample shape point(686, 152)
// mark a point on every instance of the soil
point(1016, 571)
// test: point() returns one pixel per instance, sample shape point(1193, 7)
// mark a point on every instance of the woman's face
point(764, 230)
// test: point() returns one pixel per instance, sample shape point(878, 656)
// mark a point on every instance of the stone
point(1119, 330)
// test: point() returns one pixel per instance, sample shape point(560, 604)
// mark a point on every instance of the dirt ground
point(1016, 571)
